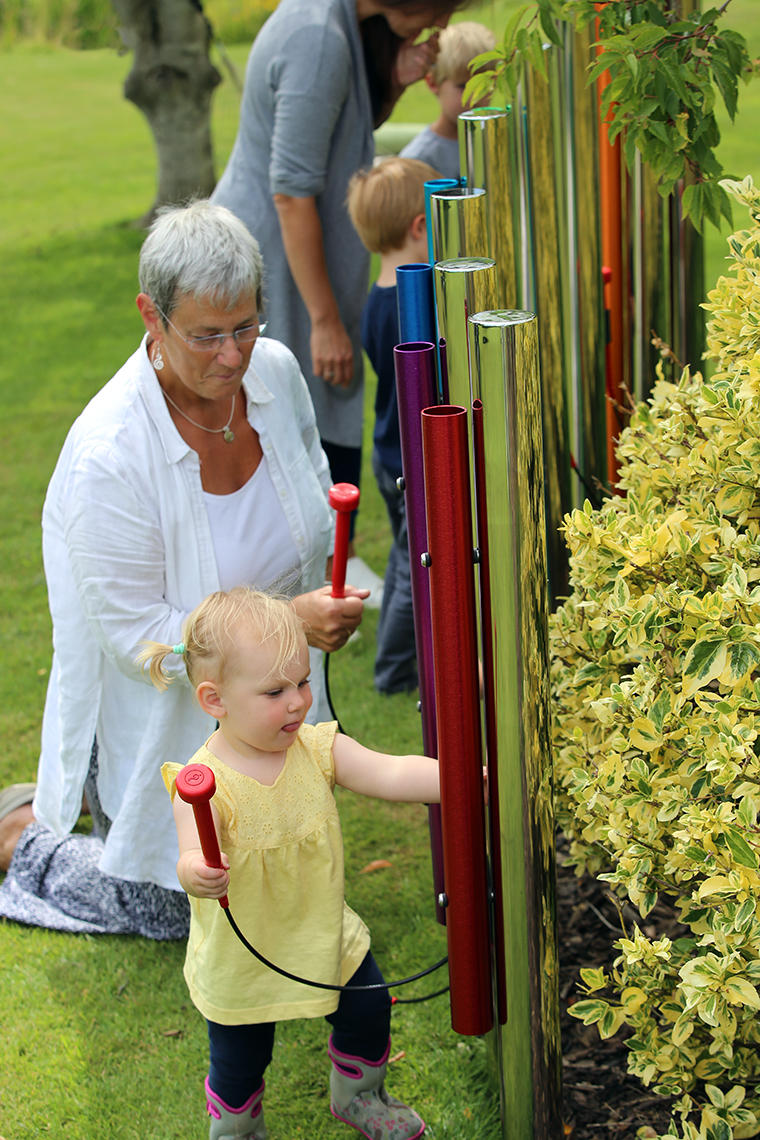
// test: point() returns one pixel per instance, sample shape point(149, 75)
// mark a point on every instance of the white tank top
point(252, 541)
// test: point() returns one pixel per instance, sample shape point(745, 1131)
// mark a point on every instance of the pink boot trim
point(247, 1107)
point(342, 1061)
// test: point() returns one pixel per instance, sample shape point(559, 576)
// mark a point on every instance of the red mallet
point(343, 498)
point(196, 785)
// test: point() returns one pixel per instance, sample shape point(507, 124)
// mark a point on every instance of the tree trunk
point(171, 82)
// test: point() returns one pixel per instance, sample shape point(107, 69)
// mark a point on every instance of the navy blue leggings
point(239, 1054)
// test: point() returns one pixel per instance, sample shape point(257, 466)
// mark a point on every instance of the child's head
point(459, 43)
point(213, 633)
point(386, 200)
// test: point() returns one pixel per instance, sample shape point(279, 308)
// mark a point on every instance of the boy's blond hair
point(384, 200)
point(459, 43)
point(209, 633)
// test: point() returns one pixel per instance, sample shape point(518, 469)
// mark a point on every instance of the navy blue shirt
point(380, 336)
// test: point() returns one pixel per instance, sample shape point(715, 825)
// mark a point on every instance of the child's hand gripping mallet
point(343, 498)
point(196, 785)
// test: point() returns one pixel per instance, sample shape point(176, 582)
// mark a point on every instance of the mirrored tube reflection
point(504, 350)
point(460, 225)
point(488, 158)
point(463, 286)
point(452, 598)
point(415, 390)
point(549, 247)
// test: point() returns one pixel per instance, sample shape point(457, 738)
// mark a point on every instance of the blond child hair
point(209, 634)
point(458, 44)
point(384, 200)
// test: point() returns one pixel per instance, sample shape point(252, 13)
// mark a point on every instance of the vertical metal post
point(504, 352)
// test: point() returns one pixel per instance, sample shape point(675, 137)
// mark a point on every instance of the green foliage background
point(656, 709)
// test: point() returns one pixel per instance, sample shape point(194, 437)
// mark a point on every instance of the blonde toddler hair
point(460, 43)
point(384, 200)
point(209, 634)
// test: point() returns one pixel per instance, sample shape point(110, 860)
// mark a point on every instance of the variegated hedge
point(656, 674)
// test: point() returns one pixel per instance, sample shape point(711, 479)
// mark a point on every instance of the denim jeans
point(396, 659)
point(239, 1054)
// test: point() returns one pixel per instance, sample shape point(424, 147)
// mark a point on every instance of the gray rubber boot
point(246, 1123)
point(358, 1098)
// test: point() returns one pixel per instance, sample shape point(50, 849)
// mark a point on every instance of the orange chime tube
point(450, 560)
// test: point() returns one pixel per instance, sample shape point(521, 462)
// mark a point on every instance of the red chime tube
point(455, 660)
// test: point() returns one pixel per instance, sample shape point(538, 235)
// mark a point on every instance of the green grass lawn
point(99, 1039)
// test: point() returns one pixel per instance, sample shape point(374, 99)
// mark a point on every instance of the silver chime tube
point(586, 265)
point(459, 224)
point(488, 158)
point(462, 286)
point(511, 527)
point(547, 201)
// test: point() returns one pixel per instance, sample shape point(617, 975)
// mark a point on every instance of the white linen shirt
point(128, 555)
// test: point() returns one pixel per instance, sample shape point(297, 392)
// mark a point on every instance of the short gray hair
point(201, 250)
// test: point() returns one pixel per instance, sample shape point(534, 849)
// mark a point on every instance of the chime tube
point(452, 597)
point(546, 199)
point(463, 286)
point(416, 303)
point(415, 390)
point(488, 158)
point(432, 186)
point(460, 224)
point(511, 529)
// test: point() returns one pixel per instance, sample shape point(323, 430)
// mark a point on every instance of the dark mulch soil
point(601, 1099)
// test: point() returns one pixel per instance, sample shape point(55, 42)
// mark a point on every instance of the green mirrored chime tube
point(651, 276)
point(590, 334)
point(459, 224)
point(463, 286)
point(549, 244)
point(511, 527)
point(488, 158)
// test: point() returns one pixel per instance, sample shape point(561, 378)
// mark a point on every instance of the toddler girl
point(247, 656)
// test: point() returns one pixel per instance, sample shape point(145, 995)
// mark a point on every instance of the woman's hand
point(330, 621)
point(415, 60)
point(200, 880)
point(332, 354)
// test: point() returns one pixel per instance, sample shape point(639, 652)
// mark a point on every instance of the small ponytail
point(155, 653)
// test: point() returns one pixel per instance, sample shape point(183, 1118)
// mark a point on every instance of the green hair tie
point(179, 648)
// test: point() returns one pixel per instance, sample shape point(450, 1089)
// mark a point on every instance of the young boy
point(387, 208)
point(437, 144)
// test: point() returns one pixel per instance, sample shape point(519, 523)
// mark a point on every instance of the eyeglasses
point(215, 343)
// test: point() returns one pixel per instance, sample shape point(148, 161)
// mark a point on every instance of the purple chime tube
point(416, 389)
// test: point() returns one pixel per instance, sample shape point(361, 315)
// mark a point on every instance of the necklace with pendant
point(227, 434)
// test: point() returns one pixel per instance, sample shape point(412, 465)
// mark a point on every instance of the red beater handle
point(343, 498)
point(196, 785)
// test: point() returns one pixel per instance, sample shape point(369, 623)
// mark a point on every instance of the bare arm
point(332, 355)
point(193, 872)
point(405, 779)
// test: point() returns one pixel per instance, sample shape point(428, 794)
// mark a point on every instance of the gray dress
point(305, 128)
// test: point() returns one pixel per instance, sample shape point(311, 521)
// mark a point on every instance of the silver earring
point(158, 360)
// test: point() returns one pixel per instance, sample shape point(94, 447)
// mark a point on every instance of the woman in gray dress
point(322, 74)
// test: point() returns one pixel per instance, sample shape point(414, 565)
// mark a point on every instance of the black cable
point(341, 730)
point(426, 997)
point(324, 985)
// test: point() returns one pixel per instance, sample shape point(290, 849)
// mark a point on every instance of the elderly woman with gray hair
point(198, 467)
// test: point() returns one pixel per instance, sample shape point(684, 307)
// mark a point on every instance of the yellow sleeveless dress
point(286, 892)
